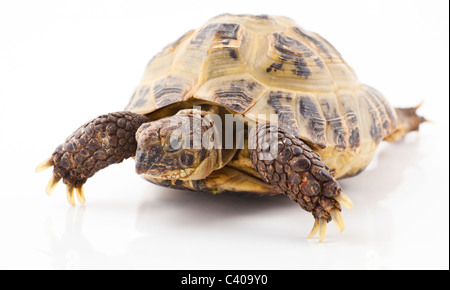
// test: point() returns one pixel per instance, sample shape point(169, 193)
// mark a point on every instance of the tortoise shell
point(255, 65)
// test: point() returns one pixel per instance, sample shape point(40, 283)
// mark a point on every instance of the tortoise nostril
point(147, 158)
point(140, 156)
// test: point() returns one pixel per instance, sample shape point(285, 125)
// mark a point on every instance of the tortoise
point(248, 69)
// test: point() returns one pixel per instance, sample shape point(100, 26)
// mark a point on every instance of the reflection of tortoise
point(251, 66)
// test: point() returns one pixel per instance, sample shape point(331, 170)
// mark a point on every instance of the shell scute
point(255, 65)
point(310, 114)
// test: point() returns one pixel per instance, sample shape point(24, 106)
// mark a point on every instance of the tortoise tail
point(408, 121)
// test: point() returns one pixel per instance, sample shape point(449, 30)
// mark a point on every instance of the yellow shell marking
point(256, 65)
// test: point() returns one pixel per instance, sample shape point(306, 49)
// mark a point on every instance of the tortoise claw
point(70, 189)
point(314, 229)
point(70, 195)
point(344, 200)
point(80, 194)
point(47, 163)
point(52, 184)
point(337, 218)
point(54, 180)
point(320, 225)
point(322, 229)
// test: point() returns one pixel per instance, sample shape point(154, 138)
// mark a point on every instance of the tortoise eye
point(174, 143)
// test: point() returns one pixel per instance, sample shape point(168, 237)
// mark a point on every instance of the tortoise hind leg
point(289, 165)
point(105, 140)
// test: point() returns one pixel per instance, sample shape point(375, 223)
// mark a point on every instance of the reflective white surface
point(64, 63)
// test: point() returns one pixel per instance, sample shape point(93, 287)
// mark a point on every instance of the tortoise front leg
point(105, 140)
point(289, 164)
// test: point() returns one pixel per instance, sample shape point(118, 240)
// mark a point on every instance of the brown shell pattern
point(256, 65)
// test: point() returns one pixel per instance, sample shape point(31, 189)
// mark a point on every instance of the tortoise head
point(167, 149)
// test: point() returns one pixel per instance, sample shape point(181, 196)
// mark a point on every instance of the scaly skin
point(299, 173)
point(106, 140)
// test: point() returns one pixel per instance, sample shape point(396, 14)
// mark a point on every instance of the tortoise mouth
point(185, 166)
point(176, 174)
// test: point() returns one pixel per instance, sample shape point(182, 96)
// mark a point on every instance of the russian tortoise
point(248, 67)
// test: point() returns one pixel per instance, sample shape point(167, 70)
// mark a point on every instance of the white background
point(63, 63)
